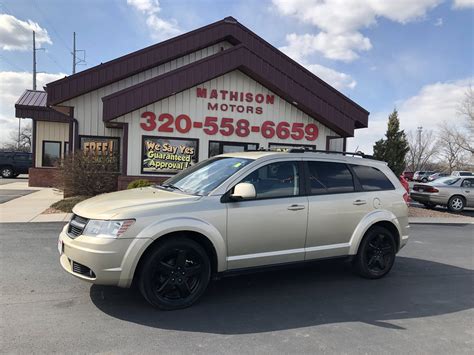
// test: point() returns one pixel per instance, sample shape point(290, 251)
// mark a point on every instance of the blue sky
point(415, 55)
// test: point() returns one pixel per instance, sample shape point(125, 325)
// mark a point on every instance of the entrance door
point(270, 229)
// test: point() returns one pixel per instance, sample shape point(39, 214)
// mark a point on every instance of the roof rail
point(305, 149)
point(309, 150)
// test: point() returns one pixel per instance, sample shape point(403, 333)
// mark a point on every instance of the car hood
point(118, 204)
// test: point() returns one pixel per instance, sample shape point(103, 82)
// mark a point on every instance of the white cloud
point(12, 85)
point(439, 22)
point(463, 4)
point(334, 46)
point(160, 29)
point(337, 79)
point(339, 22)
point(432, 105)
point(16, 34)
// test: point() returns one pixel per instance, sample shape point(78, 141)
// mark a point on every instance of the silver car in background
point(454, 192)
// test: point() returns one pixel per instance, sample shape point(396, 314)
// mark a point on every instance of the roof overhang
point(32, 104)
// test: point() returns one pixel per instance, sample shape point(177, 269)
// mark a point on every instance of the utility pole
point(75, 60)
point(74, 53)
point(34, 66)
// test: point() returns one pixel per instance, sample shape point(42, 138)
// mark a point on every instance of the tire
point(7, 172)
point(429, 205)
point(376, 253)
point(175, 274)
point(424, 180)
point(456, 204)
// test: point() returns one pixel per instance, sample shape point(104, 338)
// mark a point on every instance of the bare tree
point(20, 143)
point(465, 137)
point(422, 149)
point(451, 153)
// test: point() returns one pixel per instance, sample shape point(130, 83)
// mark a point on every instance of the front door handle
point(296, 207)
point(359, 202)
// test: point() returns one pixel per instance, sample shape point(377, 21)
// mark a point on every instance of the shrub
point(87, 175)
point(138, 183)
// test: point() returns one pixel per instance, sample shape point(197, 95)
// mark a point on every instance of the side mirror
point(244, 191)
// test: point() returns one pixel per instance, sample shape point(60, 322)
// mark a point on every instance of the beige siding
point(88, 107)
point(186, 102)
point(50, 131)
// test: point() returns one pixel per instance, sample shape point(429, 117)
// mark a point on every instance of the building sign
point(166, 155)
point(102, 149)
point(211, 125)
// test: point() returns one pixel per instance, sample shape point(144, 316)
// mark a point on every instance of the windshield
point(204, 177)
point(448, 180)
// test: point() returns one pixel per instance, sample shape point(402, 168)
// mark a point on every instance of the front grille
point(81, 269)
point(76, 226)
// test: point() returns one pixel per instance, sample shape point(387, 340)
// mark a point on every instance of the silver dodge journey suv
point(238, 211)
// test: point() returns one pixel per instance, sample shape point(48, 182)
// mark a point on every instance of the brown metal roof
point(32, 104)
point(237, 58)
point(32, 98)
point(227, 29)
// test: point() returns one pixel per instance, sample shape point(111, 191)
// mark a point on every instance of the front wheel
point(376, 253)
point(7, 173)
point(175, 275)
point(456, 204)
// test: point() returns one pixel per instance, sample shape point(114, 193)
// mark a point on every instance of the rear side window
point(372, 179)
point(329, 178)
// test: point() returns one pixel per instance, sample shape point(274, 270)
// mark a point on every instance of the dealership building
point(220, 88)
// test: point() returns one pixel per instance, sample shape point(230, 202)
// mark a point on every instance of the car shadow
point(322, 293)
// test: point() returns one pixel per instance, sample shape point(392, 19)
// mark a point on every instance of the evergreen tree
point(394, 147)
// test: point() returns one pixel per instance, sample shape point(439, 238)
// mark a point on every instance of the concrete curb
point(431, 220)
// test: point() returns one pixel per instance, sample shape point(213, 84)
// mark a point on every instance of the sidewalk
point(29, 208)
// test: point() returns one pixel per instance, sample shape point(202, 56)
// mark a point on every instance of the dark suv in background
point(13, 164)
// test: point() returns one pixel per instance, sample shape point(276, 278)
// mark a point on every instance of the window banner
point(164, 155)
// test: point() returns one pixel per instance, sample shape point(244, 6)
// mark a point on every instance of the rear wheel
point(376, 253)
point(424, 180)
point(7, 172)
point(175, 275)
point(456, 204)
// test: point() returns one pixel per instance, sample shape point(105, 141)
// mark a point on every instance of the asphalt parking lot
point(424, 306)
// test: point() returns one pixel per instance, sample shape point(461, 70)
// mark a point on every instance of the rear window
point(329, 178)
point(372, 179)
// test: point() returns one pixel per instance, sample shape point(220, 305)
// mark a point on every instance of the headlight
point(107, 229)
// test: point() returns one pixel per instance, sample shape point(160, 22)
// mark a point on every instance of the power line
point(60, 66)
point(63, 42)
point(12, 64)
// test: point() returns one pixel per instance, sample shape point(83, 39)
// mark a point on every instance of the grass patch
point(67, 204)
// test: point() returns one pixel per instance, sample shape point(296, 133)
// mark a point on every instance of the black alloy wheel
point(6, 172)
point(175, 275)
point(376, 253)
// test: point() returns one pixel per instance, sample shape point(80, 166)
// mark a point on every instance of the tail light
point(406, 197)
point(430, 189)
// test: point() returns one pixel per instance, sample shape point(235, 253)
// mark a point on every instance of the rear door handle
point(359, 202)
point(296, 207)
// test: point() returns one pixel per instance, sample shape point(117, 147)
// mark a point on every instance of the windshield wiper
point(171, 186)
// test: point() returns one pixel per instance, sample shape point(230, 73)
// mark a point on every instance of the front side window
point(468, 183)
point(275, 180)
point(204, 177)
point(372, 179)
point(329, 178)
point(51, 153)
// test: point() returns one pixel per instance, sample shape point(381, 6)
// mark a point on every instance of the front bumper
point(104, 261)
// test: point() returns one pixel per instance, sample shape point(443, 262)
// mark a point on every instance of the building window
point(51, 153)
point(102, 148)
point(218, 147)
point(284, 147)
point(166, 155)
